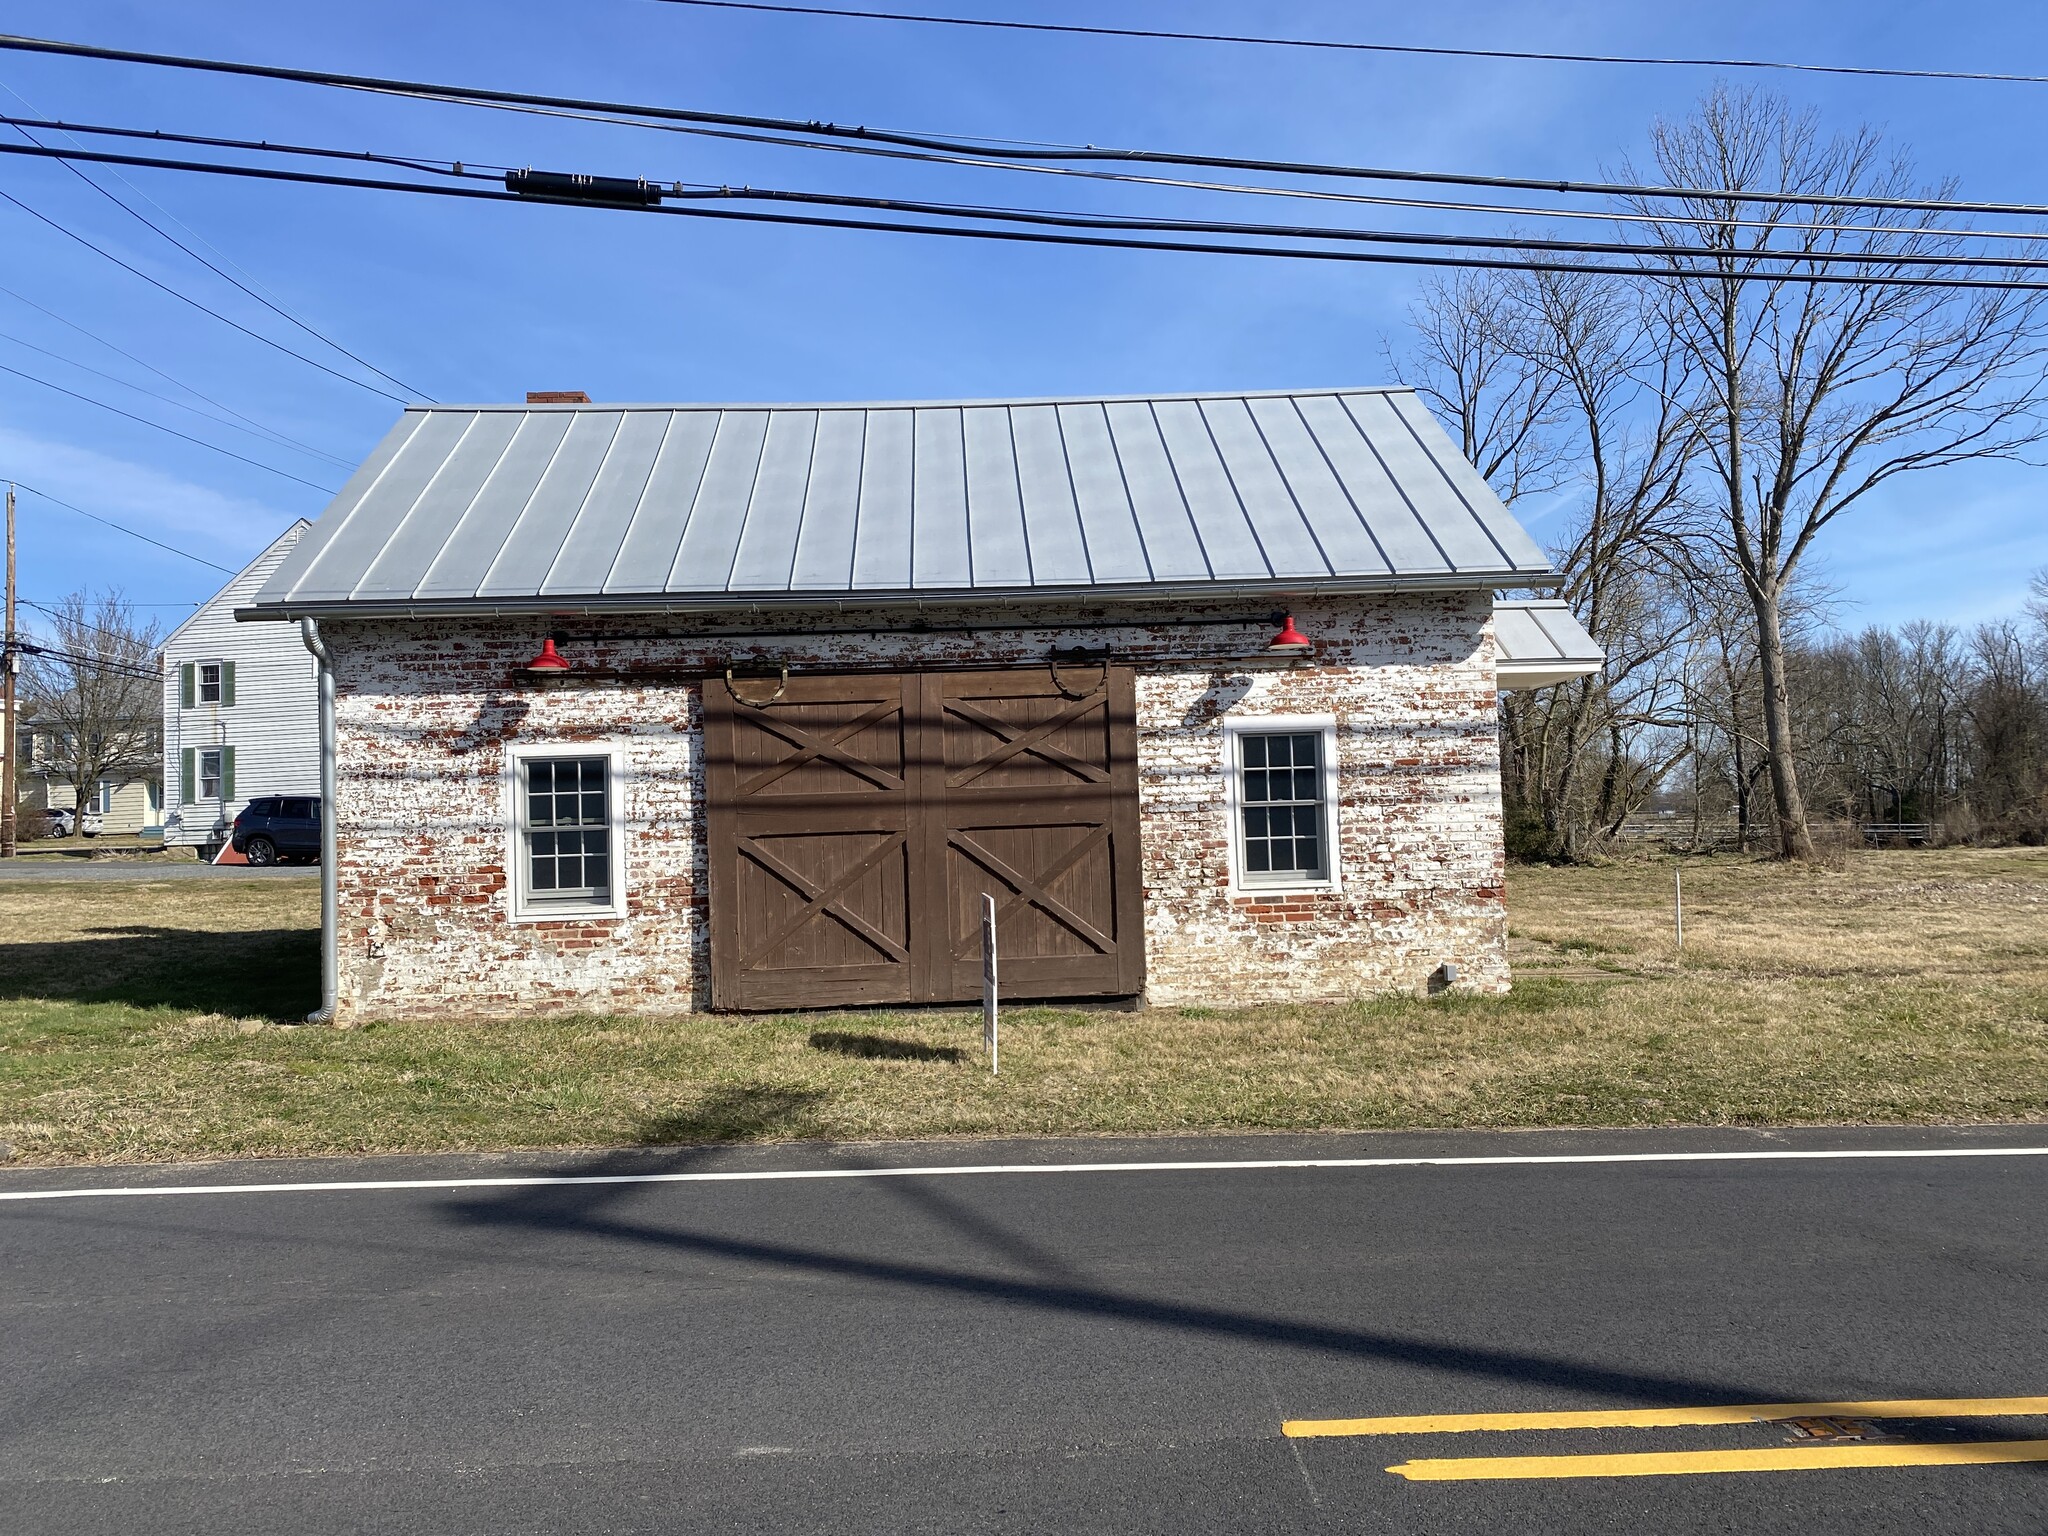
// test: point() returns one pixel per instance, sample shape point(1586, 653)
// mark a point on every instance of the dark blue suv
point(277, 828)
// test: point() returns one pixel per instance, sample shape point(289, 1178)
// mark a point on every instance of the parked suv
point(276, 828)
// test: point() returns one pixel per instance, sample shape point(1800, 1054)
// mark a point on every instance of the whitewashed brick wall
point(428, 711)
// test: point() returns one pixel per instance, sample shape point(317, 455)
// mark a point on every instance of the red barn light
point(549, 659)
point(1289, 639)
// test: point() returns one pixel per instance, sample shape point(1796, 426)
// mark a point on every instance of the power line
point(20, 126)
point(114, 378)
point(280, 438)
point(184, 554)
point(653, 191)
point(1314, 194)
point(72, 619)
point(1107, 241)
point(1008, 149)
point(173, 292)
point(1339, 45)
point(472, 171)
point(97, 663)
point(173, 431)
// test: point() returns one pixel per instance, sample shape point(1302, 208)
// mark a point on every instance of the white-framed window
point(1281, 779)
point(209, 773)
point(103, 797)
point(206, 682)
point(567, 823)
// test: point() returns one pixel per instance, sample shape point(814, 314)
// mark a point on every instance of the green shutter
point(227, 773)
point(227, 684)
point(188, 782)
point(185, 697)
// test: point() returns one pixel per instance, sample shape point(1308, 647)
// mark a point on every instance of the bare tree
point(1812, 396)
point(1560, 382)
point(1618, 383)
point(95, 696)
point(1475, 361)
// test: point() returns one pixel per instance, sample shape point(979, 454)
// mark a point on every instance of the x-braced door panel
point(1038, 808)
point(809, 815)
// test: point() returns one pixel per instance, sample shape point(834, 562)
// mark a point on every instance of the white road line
point(764, 1176)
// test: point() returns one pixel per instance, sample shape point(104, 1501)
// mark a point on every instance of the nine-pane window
point(1281, 801)
point(209, 682)
point(209, 773)
point(568, 829)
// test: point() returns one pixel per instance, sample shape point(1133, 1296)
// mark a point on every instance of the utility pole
point(10, 662)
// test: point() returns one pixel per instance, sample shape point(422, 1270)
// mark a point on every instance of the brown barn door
point(854, 823)
point(1035, 803)
point(809, 816)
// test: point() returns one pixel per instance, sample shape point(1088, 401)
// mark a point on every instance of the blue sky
point(474, 302)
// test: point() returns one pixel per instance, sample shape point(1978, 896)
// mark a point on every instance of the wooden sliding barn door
point(1035, 802)
point(854, 823)
point(809, 818)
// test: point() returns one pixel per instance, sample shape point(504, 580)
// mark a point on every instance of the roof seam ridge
point(626, 532)
point(583, 506)
point(1401, 491)
point(1179, 489)
point(1463, 500)
point(1344, 489)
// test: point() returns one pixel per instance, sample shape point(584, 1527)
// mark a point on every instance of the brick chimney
point(556, 397)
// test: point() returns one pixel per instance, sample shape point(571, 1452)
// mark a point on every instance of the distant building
point(127, 803)
point(241, 710)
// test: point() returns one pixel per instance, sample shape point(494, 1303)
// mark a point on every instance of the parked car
point(61, 821)
point(277, 829)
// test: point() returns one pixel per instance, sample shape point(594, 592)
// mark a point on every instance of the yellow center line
point(1665, 1418)
point(1791, 1458)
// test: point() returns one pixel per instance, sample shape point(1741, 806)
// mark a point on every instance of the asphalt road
point(1014, 1352)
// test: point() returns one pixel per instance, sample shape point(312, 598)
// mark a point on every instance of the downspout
point(330, 878)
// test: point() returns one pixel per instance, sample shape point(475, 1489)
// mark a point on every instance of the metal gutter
point(330, 877)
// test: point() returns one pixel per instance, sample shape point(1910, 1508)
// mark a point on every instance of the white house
point(241, 710)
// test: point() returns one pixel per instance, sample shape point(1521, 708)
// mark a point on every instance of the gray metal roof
point(519, 508)
point(1539, 641)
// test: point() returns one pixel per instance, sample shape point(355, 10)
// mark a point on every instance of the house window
point(566, 826)
point(209, 682)
point(1282, 794)
point(156, 797)
point(103, 797)
point(209, 773)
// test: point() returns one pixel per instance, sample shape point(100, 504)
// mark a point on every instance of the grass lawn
point(143, 1020)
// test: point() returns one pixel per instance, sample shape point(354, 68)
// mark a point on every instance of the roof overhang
point(1104, 596)
point(1539, 643)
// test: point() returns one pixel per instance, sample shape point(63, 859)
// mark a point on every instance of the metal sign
point(988, 978)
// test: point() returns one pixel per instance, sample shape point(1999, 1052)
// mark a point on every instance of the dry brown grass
point(139, 1020)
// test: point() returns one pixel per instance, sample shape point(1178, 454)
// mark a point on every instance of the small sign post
point(1678, 909)
point(988, 979)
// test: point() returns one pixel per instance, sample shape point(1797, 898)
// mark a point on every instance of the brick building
point(672, 707)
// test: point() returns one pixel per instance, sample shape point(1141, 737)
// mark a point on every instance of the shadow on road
point(1049, 1285)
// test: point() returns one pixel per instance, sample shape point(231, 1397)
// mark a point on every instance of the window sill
point(1275, 892)
point(567, 912)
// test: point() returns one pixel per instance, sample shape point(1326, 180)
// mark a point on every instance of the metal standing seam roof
point(508, 508)
point(1539, 641)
